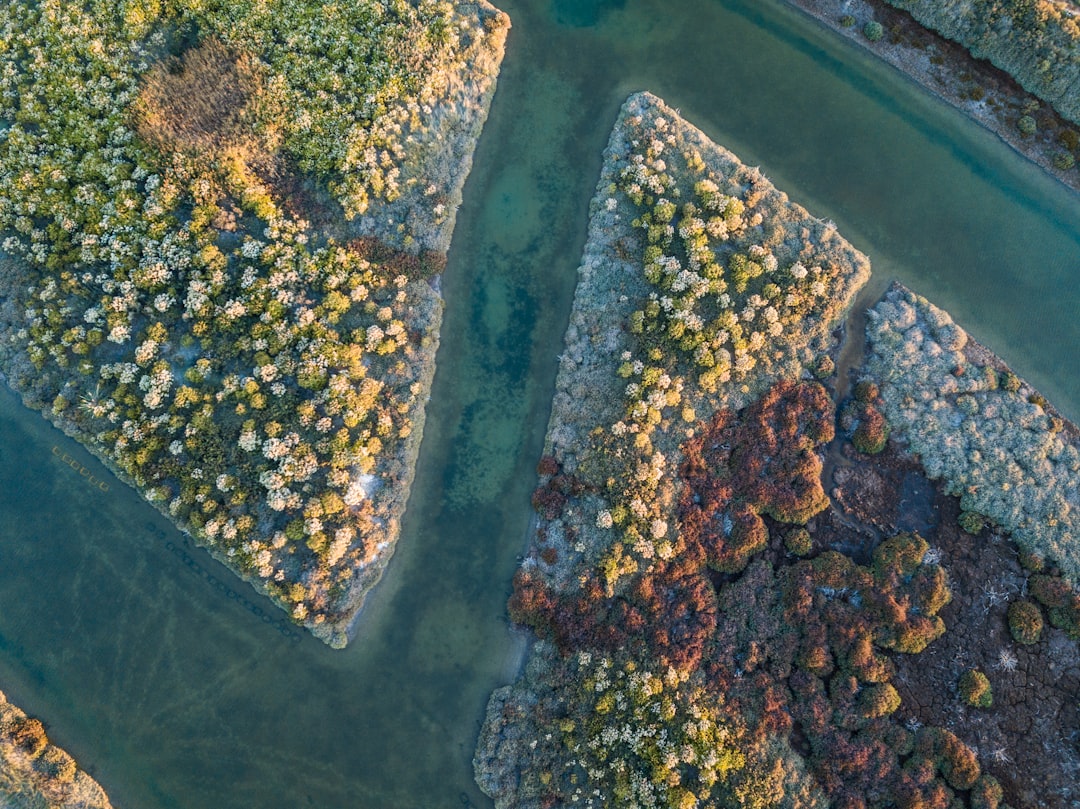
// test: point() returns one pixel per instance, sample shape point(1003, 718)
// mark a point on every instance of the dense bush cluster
point(1034, 40)
point(1061, 600)
point(256, 376)
point(36, 772)
point(690, 656)
point(977, 427)
point(733, 295)
point(738, 289)
point(765, 463)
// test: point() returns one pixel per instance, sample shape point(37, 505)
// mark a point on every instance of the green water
point(175, 684)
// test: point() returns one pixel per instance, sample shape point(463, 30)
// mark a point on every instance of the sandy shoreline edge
point(939, 66)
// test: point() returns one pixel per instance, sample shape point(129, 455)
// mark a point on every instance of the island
point(222, 230)
point(787, 552)
point(36, 773)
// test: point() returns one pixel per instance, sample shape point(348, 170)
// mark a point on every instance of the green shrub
point(1025, 622)
point(873, 31)
point(824, 367)
point(1027, 126)
point(879, 700)
point(975, 689)
point(987, 793)
point(847, 21)
point(1062, 604)
point(1032, 561)
point(872, 434)
point(972, 522)
point(799, 542)
point(1064, 161)
point(866, 391)
point(1010, 381)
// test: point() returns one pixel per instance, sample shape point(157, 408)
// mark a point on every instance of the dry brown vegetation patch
point(204, 100)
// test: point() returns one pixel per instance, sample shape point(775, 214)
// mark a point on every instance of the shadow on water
point(181, 688)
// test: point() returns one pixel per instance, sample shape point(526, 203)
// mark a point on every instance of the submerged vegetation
point(195, 283)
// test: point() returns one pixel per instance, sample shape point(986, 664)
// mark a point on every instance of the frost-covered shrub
point(1003, 454)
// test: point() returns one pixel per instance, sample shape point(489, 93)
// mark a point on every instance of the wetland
point(174, 694)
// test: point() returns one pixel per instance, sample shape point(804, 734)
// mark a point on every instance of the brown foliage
point(764, 462)
point(397, 262)
point(201, 102)
point(29, 734)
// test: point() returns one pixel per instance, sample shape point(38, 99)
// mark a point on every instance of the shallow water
point(136, 648)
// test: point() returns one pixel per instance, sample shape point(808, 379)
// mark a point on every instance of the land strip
point(980, 90)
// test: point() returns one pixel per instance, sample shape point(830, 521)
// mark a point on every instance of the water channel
point(180, 689)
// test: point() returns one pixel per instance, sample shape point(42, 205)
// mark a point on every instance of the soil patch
point(1028, 738)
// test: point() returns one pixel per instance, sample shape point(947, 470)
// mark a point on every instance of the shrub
point(824, 367)
point(1027, 126)
point(29, 734)
point(987, 793)
point(56, 765)
point(847, 21)
point(972, 522)
point(1062, 604)
point(1064, 161)
point(799, 542)
point(1032, 561)
point(880, 700)
point(873, 31)
point(1025, 622)
point(1009, 381)
point(866, 392)
point(975, 689)
point(872, 434)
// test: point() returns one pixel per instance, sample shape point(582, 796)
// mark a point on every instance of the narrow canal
point(181, 689)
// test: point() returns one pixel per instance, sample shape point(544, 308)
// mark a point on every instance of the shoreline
point(417, 226)
point(984, 93)
point(573, 537)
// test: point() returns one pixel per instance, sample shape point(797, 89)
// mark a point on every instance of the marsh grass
point(205, 100)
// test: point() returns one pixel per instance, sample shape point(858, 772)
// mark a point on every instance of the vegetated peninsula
point(746, 586)
point(222, 227)
point(36, 773)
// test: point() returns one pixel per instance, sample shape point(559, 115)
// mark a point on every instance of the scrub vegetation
point(715, 629)
point(992, 439)
point(36, 773)
point(220, 224)
point(1035, 41)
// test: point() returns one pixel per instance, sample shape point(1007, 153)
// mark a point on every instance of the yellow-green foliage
point(179, 310)
point(735, 287)
point(647, 738)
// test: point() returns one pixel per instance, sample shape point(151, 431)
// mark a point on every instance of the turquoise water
point(177, 686)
